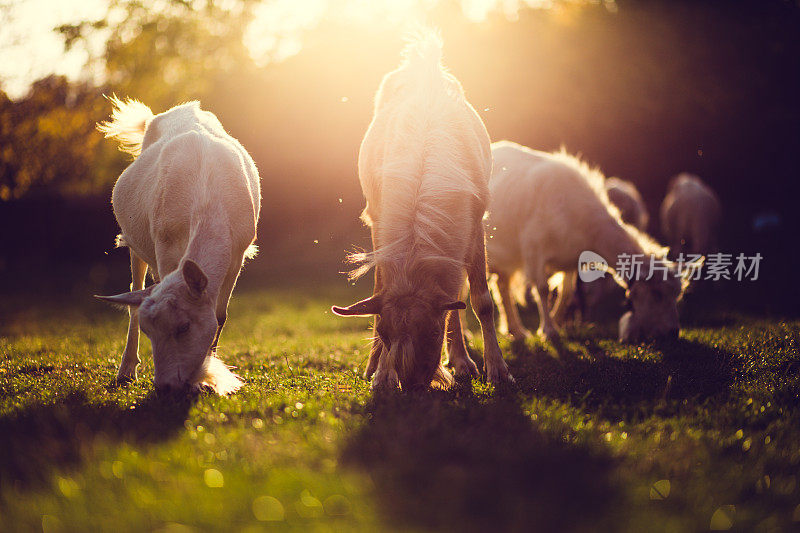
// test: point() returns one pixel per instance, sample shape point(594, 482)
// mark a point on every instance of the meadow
point(694, 434)
point(698, 433)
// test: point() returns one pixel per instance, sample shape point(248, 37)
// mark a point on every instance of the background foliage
point(644, 89)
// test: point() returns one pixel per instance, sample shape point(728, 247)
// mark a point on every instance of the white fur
point(626, 198)
point(217, 375)
point(545, 210)
point(690, 216)
point(128, 123)
point(188, 207)
point(424, 167)
point(425, 146)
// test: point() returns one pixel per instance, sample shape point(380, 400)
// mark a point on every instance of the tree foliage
point(173, 51)
point(651, 90)
point(48, 139)
point(161, 52)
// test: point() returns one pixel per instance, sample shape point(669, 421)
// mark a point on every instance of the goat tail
point(128, 123)
point(423, 50)
point(424, 44)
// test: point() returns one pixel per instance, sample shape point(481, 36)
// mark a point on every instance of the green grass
point(702, 432)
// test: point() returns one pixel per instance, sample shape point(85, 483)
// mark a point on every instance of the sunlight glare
point(31, 49)
point(277, 28)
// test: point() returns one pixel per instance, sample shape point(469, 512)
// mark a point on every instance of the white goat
point(690, 216)
point(623, 195)
point(188, 207)
point(424, 168)
point(545, 210)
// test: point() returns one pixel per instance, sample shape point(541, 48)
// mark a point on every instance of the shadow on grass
point(459, 464)
point(686, 370)
point(59, 436)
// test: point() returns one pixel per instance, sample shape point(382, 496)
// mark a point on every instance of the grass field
point(699, 433)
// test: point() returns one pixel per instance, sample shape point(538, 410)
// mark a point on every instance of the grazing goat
point(424, 167)
point(690, 216)
point(590, 297)
point(187, 207)
point(548, 208)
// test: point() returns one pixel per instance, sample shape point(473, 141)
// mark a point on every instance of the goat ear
point(454, 306)
point(369, 306)
point(134, 298)
point(194, 277)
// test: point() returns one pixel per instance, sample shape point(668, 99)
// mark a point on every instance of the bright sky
point(30, 49)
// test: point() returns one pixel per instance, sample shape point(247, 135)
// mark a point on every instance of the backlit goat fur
point(424, 167)
point(604, 294)
point(187, 207)
point(545, 210)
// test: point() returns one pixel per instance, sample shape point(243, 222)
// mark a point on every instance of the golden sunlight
point(29, 46)
point(31, 49)
point(276, 31)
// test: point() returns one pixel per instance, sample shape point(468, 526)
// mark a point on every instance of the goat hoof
point(127, 378)
point(499, 376)
point(466, 369)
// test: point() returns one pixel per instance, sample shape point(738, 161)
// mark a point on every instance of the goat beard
point(401, 356)
point(218, 376)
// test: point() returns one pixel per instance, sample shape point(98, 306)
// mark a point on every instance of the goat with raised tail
point(187, 207)
point(424, 168)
